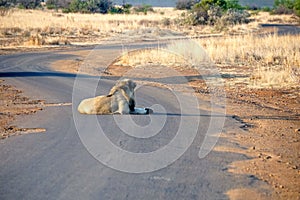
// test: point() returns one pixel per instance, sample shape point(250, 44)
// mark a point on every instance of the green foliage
point(216, 12)
point(266, 9)
point(234, 4)
point(116, 10)
point(89, 6)
point(99, 6)
point(29, 4)
point(78, 6)
point(297, 7)
point(286, 3)
point(52, 4)
point(185, 4)
point(206, 4)
point(143, 8)
point(5, 3)
point(120, 10)
point(287, 7)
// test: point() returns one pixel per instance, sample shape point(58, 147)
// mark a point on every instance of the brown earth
point(14, 104)
point(270, 131)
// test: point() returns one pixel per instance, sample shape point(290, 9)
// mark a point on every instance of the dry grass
point(150, 56)
point(25, 27)
point(263, 62)
point(274, 61)
point(28, 23)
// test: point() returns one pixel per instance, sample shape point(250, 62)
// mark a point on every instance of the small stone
point(295, 167)
point(268, 157)
point(281, 186)
point(297, 130)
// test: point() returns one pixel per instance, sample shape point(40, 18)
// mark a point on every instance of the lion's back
point(96, 105)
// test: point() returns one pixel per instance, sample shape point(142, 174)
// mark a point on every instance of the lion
point(120, 100)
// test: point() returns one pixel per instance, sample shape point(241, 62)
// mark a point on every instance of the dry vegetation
point(272, 60)
point(93, 28)
point(47, 27)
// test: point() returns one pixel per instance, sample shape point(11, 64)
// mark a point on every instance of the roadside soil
point(269, 134)
point(14, 104)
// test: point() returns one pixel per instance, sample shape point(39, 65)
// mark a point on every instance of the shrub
point(143, 8)
point(289, 4)
point(78, 6)
point(212, 12)
point(206, 4)
point(185, 4)
point(297, 7)
point(100, 6)
point(52, 4)
point(234, 4)
point(6, 3)
point(166, 21)
point(4, 11)
point(282, 10)
point(287, 7)
point(29, 4)
point(232, 17)
point(266, 9)
point(119, 10)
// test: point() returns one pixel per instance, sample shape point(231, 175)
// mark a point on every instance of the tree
point(297, 7)
point(286, 3)
point(206, 4)
point(101, 6)
point(233, 4)
point(29, 4)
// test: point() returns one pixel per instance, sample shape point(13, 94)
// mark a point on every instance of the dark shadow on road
point(164, 80)
point(43, 74)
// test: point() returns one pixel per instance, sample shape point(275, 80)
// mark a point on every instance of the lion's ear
point(132, 84)
point(113, 90)
point(124, 87)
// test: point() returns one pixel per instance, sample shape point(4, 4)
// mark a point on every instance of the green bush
point(29, 4)
point(289, 4)
point(6, 3)
point(120, 10)
point(89, 6)
point(78, 6)
point(206, 4)
point(266, 9)
point(52, 4)
point(185, 4)
point(210, 12)
point(234, 4)
point(143, 8)
point(297, 7)
point(287, 7)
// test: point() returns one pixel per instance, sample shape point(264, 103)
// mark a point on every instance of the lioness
point(120, 100)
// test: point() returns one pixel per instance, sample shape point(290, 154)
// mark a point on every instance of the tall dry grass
point(274, 61)
point(269, 61)
point(28, 23)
